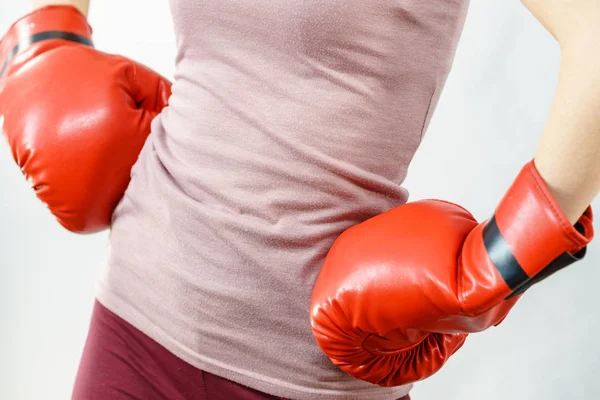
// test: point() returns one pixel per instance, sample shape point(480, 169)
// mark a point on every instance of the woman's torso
point(289, 122)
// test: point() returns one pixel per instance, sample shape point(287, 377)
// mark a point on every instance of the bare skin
point(568, 155)
point(81, 5)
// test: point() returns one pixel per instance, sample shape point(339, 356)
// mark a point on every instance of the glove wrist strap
point(48, 23)
point(529, 237)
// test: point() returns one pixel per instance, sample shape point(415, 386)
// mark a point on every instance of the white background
point(486, 127)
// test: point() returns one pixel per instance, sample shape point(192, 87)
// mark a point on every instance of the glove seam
point(135, 80)
point(452, 204)
point(459, 276)
point(404, 349)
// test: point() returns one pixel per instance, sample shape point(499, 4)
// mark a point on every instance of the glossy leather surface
point(398, 294)
point(74, 117)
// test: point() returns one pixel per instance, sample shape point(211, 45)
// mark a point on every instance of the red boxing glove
point(75, 118)
point(398, 293)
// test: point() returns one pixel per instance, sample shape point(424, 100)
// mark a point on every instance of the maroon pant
point(120, 362)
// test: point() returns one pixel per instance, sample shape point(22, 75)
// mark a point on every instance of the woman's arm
point(81, 5)
point(568, 155)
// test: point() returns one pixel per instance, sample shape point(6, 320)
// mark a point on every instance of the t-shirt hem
point(250, 379)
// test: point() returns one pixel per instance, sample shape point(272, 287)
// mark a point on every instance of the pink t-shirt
point(290, 121)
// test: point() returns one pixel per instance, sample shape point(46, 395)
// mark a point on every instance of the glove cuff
point(529, 237)
point(50, 23)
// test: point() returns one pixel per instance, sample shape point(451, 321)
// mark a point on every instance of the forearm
point(81, 5)
point(568, 156)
